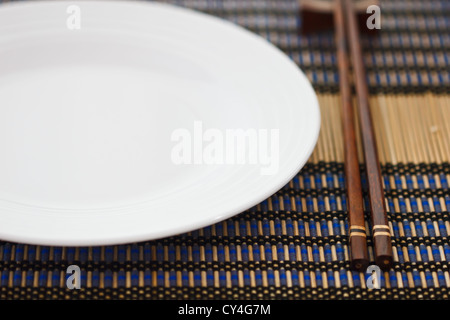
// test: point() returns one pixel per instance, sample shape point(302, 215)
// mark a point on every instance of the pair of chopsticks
point(347, 34)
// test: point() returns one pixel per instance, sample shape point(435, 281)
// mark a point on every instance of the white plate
point(89, 117)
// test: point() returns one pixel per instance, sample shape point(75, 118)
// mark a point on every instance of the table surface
point(294, 245)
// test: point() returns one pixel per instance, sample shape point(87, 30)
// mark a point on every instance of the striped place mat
point(294, 245)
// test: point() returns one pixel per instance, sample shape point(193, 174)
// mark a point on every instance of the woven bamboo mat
point(294, 244)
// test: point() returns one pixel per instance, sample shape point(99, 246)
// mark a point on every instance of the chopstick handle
point(381, 230)
point(359, 259)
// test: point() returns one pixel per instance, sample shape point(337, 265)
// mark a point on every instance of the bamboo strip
point(408, 128)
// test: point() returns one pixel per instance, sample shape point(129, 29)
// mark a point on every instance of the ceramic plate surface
point(118, 121)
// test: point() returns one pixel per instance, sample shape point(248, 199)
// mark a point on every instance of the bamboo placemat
point(294, 244)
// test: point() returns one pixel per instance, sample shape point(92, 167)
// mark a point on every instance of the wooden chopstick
point(380, 225)
point(359, 259)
